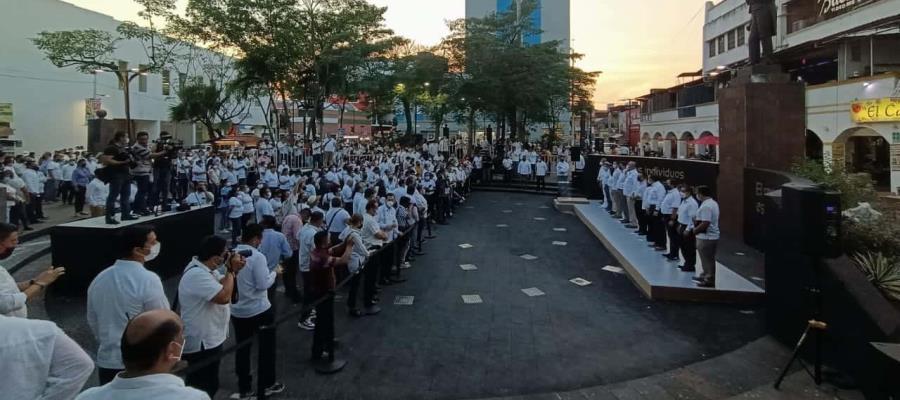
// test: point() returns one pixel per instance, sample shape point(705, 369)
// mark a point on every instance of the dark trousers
point(206, 378)
point(235, 230)
point(66, 191)
point(245, 328)
point(323, 337)
point(79, 198)
point(17, 215)
point(387, 260)
point(162, 182)
point(35, 208)
point(119, 187)
point(106, 375)
point(143, 191)
point(608, 198)
point(540, 183)
point(674, 237)
point(641, 216)
point(659, 230)
point(290, 277)
point(307, 294)
point(353, 290)
point(420, 226)
point(688, 247)
point(370, 278)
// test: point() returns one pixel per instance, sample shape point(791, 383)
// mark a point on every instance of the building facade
point(552, 17)
point(50, 107)
point(847, 53)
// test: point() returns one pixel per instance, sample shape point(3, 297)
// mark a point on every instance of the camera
point(170, 145)
point(245, 253)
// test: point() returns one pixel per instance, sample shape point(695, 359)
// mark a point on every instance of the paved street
point(439, 347)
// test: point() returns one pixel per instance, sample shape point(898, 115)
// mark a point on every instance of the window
point(182, 80)
point(721, 40)
point(712, 48)
point(741, 39)
point(123, 72)
point(142, 78)
point(166, 82)
point(731, 36)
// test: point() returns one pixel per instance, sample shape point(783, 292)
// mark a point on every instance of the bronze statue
point(762, 29)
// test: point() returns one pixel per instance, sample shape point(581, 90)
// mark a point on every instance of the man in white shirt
point(540, 172)
point(629, 189)
point(687, 211)
point(706, 229)
point(263, 206)
point(41, 361)
point(656, 192)
point(373, 237)
point(121, 292)
point(204, 296)
point(66, 190)
point(615, 192)
point(200, 197)
point(252, 311)
point(95, 195)
point(306, 238)
point(151, 345)
point(330, 146)
point(669, 216)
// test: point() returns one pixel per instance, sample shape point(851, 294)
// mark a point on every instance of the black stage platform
point(85, 247)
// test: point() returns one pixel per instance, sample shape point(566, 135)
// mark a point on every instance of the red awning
point(707, 140)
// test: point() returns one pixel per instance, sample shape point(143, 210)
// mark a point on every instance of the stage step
point(654, 275)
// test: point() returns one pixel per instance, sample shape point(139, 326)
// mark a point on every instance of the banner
point(880, 110)
point(832, 8)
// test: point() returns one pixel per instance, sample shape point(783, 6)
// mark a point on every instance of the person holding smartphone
point(205, 292)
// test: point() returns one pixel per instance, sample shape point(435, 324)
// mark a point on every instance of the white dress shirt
point(253, 283)
point(116, 295)
point(687, 211)
point(369, 229)
point(96, 193)
point(205, 322)
point(263, 207)
point(670, 202)
point(40, 361)
point(708, 212)
point(147, 387)
point(12, 300)
point(306, 237)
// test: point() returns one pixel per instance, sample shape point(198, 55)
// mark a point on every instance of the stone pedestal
point(762, 123)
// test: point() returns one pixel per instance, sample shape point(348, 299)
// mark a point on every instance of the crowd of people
point(358, 219)
point(657, 208)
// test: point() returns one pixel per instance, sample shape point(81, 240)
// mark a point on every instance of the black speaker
point(812, 220)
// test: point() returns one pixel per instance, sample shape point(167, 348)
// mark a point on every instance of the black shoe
point(684, 269)
point(642, 233)
point(372, 310)
point(670, 257)
point(27, 228)
point(706, 284)
point(111, 221)
point(129, 218)
point(353, 312)
point(697, 279)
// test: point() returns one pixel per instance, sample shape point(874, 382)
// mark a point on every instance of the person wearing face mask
point(14, 295)
point(204, 294)
point(151, 346)
point(687, 211)
point(669, 215)
point(81, 178)
point(121, 292)
point(263, 206)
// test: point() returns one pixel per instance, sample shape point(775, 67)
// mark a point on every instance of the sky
point(637, 44)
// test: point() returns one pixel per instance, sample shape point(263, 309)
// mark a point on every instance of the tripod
point(813, 326)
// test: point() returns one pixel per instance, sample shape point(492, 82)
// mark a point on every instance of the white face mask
point(154, 252)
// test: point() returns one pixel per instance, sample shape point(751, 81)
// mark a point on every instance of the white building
point(49, 104)
point(847, 53)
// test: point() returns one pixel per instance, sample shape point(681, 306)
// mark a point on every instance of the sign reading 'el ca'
point(880, 110)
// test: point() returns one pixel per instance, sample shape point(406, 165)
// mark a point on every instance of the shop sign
point(832, 8)
point(895, 157)
point(6, 114)
point(880, 110)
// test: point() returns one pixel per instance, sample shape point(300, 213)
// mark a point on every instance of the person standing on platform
point(706, 230)
point(687, 211)
point(253, 311)
point(14, 295)
point(120, 293)
point(81, 178)
point(629, 190)
point(562, 176)
point(656, 193)
point(141, 171)
point(116, 161)
point(41, 361)
point(205, 295)
point(603, 181)
point(640, 208)
point(321, 267)
point(621, 201)
point(618, 176)
point(329, 147)
point(151, 346)
point(540, 173)
point(669, 212)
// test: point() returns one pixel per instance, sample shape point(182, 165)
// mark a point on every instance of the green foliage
point(854, 188)
point(883, 271)
point(209, 105)
point(85, 49)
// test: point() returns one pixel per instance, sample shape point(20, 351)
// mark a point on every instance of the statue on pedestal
point(762, 29)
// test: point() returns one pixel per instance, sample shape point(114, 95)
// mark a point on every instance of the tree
point(210, 105)
point(93, 50)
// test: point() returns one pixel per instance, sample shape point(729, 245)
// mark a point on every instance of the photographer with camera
point(205, 293)
point(116, 160)
point(167, 148)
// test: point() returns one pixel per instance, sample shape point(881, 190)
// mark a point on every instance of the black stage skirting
point(85, 247)
point(692, 172)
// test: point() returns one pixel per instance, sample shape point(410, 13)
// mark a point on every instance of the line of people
point(658, 209)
